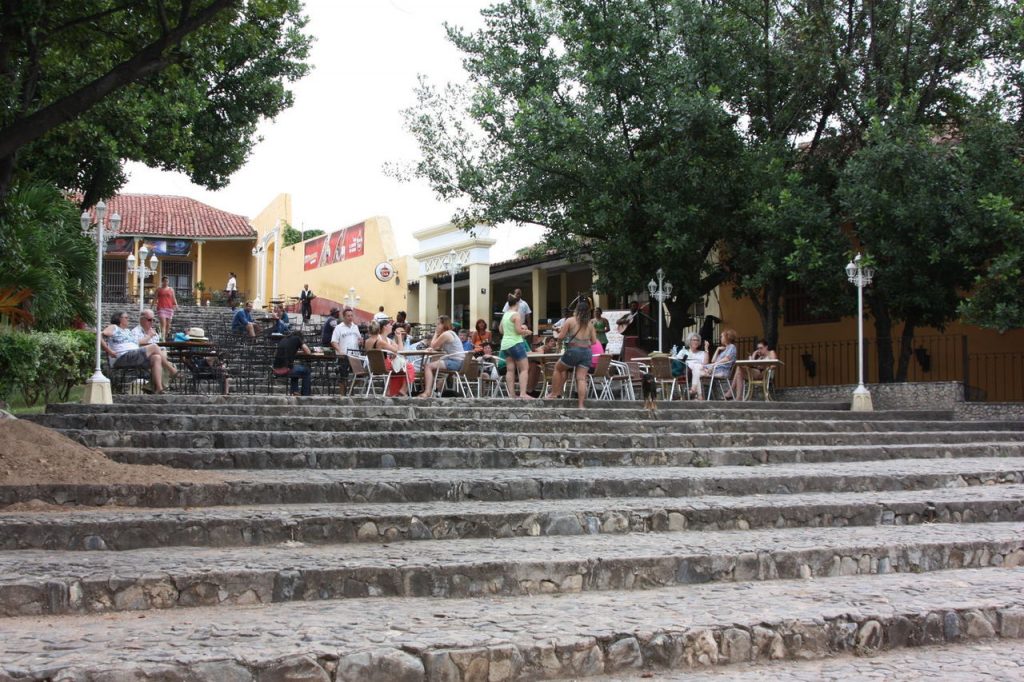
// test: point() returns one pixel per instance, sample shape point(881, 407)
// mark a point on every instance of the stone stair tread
point(42, 565)
point(489, 458)
point(281, 486)
point(986, 660)
point(557, 636)
point(104, 528)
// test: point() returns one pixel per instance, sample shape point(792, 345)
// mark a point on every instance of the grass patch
point(16, 405)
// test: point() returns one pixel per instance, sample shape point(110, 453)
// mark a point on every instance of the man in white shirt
point(232, 289)
point(145, 333)
point(346, 337)
point(380, 316)
point(524, 308)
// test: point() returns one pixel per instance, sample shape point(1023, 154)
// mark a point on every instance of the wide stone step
point(517, 410)
point(504, 427)
point(544, 637)
point(39, 582)
point(988, 659)
point(927, 446)
point(104, 529)
point(242, 437)
point(289, 486)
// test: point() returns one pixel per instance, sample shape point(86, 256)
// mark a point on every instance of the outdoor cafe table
point(543, 357)
point(180, 351)
point(767, 368)
point(320, 366)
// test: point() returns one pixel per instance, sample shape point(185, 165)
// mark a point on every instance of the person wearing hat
point(285, 365)
point(329, 324)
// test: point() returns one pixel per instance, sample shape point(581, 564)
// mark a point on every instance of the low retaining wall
point(924, 395)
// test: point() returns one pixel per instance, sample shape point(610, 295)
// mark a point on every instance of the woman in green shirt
point(514, 346)
point(601, 327)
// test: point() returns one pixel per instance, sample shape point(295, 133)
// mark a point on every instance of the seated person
point(693, 359)
point(281, 325)
point(464, 340)
point(209, 367)
point(328, 329)
point(762, 352)
point(242, 322)
point(724, 358)
point(453, 355)
point(284, 362)
point(497, 360)
point(145, 332)
point(481, 335)
point(566, 314)
point(550, 345)
point(595, 354)
point(125, 353)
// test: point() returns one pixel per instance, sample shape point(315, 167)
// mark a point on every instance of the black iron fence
point(991, 377)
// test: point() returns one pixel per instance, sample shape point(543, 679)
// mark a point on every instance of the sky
point(328, 150)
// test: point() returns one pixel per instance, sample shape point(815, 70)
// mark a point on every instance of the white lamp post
point(97, 387)
point(452, 267)
point(860, 277)
point(142, 270)
point(660, 292)
point(351, 299)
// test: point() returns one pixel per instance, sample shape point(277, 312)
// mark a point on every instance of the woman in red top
point(166, 303)
point(480, 336)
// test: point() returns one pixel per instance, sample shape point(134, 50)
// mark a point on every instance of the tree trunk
point(768, 309)
point(883, 341)
point(906, 350)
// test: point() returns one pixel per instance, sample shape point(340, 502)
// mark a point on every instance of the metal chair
point(456, 374)
point(358, 372)
point(661, 368)
point(714, 376)
point(378, 371)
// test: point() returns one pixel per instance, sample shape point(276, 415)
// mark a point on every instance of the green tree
point(176, 84)
point(43, 250)
point(293, 236)
point(585, 118)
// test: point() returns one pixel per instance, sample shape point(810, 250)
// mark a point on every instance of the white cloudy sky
point(327, 151)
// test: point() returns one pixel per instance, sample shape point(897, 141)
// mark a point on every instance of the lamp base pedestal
point(97, 390)
point(861, 400)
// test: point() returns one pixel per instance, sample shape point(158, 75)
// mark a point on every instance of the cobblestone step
point(990, 659)
point(240, 437)
point(105, 529)
point(926, 446)
point(544, 637)
point(455, 427)
point(289, 486)
point(513, 409)
point(34, 582)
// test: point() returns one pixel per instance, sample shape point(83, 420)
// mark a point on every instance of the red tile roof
point(154, 215)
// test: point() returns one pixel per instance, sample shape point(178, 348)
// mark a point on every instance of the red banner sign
point(334, 248)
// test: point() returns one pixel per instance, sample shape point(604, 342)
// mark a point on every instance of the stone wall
point(933, 395)
point(986, 411)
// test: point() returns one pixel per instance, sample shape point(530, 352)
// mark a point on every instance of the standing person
point(165, 303)
point(346, 337)
point(743, 374)
point(514, 346)
point(446, 341)
point(306, 300)
point(522, 307)
point(232, 290)
point(328, 329)
point(285, 365)
point(380, 316)
point(601, 327)
point(579, 335)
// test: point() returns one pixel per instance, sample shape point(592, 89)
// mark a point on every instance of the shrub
point(44, 365)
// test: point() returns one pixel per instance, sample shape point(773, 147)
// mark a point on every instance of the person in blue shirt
point(282, 325)
point(242, 323)
point(464, 340)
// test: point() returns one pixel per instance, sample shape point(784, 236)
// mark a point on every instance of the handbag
point(397, 363)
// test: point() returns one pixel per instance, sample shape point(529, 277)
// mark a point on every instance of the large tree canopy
point(712, 138)
point(177, 84)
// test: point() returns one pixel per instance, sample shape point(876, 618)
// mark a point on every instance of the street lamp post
point(860, 276)
point(142, 271)
point(97, 387)
point(452, 267)
point(351, 299)
point(660, 292)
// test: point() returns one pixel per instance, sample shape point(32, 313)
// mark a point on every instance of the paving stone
point(556, 636)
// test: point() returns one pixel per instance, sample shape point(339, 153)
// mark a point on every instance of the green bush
point(44, 365)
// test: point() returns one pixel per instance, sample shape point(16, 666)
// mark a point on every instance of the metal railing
point(991, 377)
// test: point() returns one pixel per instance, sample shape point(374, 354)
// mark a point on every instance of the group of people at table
point(579, 340)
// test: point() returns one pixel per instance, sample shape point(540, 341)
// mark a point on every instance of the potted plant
point(200, 287)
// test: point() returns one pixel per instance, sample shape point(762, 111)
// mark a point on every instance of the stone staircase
point(498, 540)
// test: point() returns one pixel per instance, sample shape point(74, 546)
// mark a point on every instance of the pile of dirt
point(31, 454)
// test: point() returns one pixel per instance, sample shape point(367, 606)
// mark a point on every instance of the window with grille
point(798, 306)
point(179, 276)
point(115, 279)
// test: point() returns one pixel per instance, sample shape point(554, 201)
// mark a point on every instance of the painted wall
point(223, 257)
point(332, 282)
